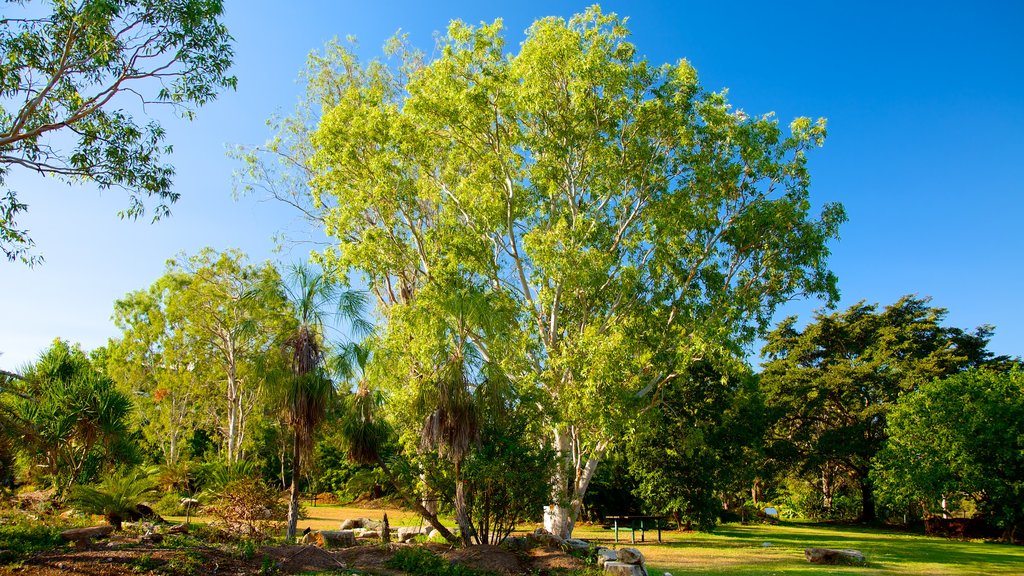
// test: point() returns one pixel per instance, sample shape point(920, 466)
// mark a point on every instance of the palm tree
point(308, 389)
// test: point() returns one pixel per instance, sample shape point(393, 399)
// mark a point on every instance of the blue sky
point(925, 102)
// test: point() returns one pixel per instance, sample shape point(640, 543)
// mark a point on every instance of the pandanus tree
point(307, 388)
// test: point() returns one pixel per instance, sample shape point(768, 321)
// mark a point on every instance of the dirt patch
point(125, 562)
point(125, 559)
point(489, 558)
point(545, 560)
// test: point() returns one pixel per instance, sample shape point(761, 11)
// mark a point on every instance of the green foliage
point(571, 215)
point(831, 385)
point(74, 422)
point(117, 496)
point(194, 348)
point(26, 536)
point(696, 441)
point(960, 437)
point(505, 479)
point(66, 72)
point(422, 562)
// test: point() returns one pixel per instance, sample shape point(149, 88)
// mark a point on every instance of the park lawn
point(325, 517)
point(739, 550)
point(736, 549)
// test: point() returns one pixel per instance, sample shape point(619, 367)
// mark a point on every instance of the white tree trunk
point(573, 472)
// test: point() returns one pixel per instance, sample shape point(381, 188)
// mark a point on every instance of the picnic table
point(634, 523)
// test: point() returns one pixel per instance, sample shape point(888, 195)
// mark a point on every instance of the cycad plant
point(117, 496)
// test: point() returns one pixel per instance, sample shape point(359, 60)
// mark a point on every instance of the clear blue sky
point(925, 102)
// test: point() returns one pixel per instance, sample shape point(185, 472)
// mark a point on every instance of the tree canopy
point(830, 386)
point(960, 437)
point(619, 216)
point(70, 73)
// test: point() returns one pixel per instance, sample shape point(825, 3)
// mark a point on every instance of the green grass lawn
point(739, 550)
point(735, 549)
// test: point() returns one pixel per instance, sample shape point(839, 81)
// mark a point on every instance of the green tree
point(628, 218)
point(209, 319)
point(830, 386)
point(75, 422)
point(307, 389)
point(71, 70)
point(960, 437)
point(696, 442)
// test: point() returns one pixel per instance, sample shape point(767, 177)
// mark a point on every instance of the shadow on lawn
point(887, 552)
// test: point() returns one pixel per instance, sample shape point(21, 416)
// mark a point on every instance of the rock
point(515, 544)
point(766, 544)
point(333, 538)
point(152, 538)
point(407, 533)
point(350, 524)
point(605, 555)
point(178, 529)
point(371, 524)
point(577, 544)
point(147, 513)
point(830, 556)
point(623, 569)
point(631, 556)
point(545, 539)
point(82, 537)
point(372, 534)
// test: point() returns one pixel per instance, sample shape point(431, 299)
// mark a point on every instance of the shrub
point(116, 497)
point(248, 507)
point(422, 562)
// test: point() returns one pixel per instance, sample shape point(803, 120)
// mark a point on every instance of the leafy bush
point(169, 505)
point(25, 537)
point(248, 507)
point(423, 562)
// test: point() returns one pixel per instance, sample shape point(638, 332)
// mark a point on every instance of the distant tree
point(830, 386)
point(960, 437)
point(70, 69)
point(75, 422)
point(695, 442)
point(208, 320)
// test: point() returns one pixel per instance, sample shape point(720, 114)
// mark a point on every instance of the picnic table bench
point(634, 523)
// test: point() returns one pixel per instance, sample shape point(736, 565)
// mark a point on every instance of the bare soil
point(119, 558)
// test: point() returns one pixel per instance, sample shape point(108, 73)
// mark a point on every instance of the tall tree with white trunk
point(622, 218)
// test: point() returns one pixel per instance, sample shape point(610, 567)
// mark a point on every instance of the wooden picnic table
point(634, 523)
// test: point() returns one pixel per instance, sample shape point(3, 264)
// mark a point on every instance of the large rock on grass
point(623, 569)
point(830, 556)
point(333, 538)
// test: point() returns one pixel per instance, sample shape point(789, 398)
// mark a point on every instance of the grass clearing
point(739, 550)
point(736, 549)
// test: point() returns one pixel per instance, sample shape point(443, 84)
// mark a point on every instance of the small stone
point(766, 544)
point(577, 544)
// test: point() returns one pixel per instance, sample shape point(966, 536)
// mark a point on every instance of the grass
point(739, 550)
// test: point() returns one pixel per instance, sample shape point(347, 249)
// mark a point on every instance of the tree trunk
point(462, 511)
point(570, 481)
point(293, 493)
point(415, 504)
point(826, 488)
point(867, 498)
